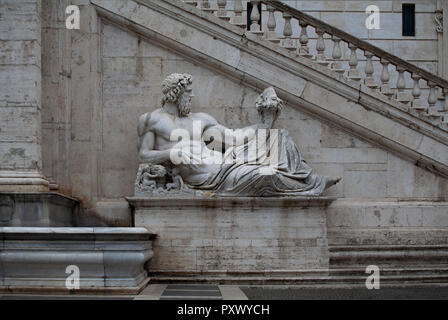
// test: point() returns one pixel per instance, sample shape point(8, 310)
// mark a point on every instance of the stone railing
point(325, 44)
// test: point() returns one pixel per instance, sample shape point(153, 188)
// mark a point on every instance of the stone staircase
point(410, 100)
point(399, 264)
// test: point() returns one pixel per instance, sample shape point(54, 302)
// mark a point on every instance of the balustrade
point(337, 62)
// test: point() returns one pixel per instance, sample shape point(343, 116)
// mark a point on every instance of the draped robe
point(251, 170)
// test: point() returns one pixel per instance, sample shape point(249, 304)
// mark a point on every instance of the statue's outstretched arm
point(222, 135)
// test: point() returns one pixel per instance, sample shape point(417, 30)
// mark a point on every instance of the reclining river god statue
point(185, 152)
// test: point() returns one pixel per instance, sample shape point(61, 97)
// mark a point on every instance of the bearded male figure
point(237, 172)
point(156, 130)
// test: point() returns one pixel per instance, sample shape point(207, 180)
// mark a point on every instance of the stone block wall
point(101, 78)
point(20, 95)
point(133, 69)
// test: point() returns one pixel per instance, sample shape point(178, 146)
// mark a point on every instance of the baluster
point(337, 55)
point(287, 42)
point(205, 6)
point(385, 77)
point(445, 107)
point(192, 3)
point(222, 13)
point(432, 99)
point(238, 19)
point(255, 17)
point(401, 95)
point(369, 81)
point(271, 35)
point(353, 73)
point(417, 103)
point(304, 51)
point(320, 48)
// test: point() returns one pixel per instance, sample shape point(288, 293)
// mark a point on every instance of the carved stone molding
point(438, 17)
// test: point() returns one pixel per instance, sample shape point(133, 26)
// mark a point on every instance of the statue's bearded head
point(269, 106)
point(177, 88)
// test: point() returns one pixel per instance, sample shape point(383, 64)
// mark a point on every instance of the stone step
point(191, 291)
point(330, 281)
point(387, 255)
point(358, 271)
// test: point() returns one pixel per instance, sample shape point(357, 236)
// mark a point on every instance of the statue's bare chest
point(170, 126)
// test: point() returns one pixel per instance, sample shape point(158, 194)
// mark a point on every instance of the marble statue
point(187, 152)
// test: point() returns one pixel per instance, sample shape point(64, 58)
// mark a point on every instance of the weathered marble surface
point(243, 235)
point(259, 160)
point(20, 97)
point(109, 259)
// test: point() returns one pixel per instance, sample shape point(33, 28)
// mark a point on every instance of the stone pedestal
point(110, 260)
point(233, 238)
point(302, 241)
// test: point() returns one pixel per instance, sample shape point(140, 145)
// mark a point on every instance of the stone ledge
point(72, 233)
point(109, 259)
point(27, 181)
point(63, 291)
point(220, 202)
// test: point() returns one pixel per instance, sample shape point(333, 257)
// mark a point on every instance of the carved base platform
point(230, 236)
point(301, 241)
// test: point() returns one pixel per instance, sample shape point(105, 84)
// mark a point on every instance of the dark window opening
point(408, 20)
point(249, 11)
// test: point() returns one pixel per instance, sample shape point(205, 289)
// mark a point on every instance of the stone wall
point(101, 78)
point(20, 96)
point(133, 69)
